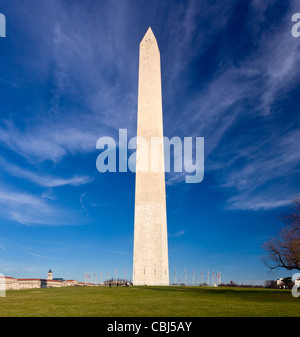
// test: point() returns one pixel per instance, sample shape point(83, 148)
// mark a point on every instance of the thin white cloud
point(210, 113)
point(249, 182)
point(84, 59)
point(37, 255)
point(177, 234)
point(117, 252)
point(258, 202)
point(42, 180)
point(48, 142)
point(270, 70)
point(28, 209)
point(48, 195)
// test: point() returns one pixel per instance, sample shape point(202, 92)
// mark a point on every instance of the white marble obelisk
point(150, 257)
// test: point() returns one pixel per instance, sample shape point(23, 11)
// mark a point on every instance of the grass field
point(149, 301)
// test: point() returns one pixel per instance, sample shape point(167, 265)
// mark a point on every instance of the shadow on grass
point(214, 290)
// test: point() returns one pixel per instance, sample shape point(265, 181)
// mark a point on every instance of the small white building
point(279, 281)
point(70, 283)
point(9, 283)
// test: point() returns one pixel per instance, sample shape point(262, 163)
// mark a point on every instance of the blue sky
point(69, 75)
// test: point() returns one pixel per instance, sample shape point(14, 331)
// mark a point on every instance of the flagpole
point(174, 276)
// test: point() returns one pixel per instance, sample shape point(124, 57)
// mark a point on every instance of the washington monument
point(150, 256)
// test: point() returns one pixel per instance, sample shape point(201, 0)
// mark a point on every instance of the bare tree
point(283, 251)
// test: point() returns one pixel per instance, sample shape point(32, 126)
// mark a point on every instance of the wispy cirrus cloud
point(177, 234)
point(29, 209)
point(117, 252)
point(258, 202)
point(260, 182)
point(264, 160)
point(42, 179)
point(254, 87)
point(92, 68)
point(48, 142)
point(84, 76)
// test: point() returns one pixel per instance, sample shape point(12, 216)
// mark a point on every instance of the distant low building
point(279, 281)
point(71, 283)
point(11, 283)
point(286, 282)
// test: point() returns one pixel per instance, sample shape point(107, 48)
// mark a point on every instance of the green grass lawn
point(149, 301)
